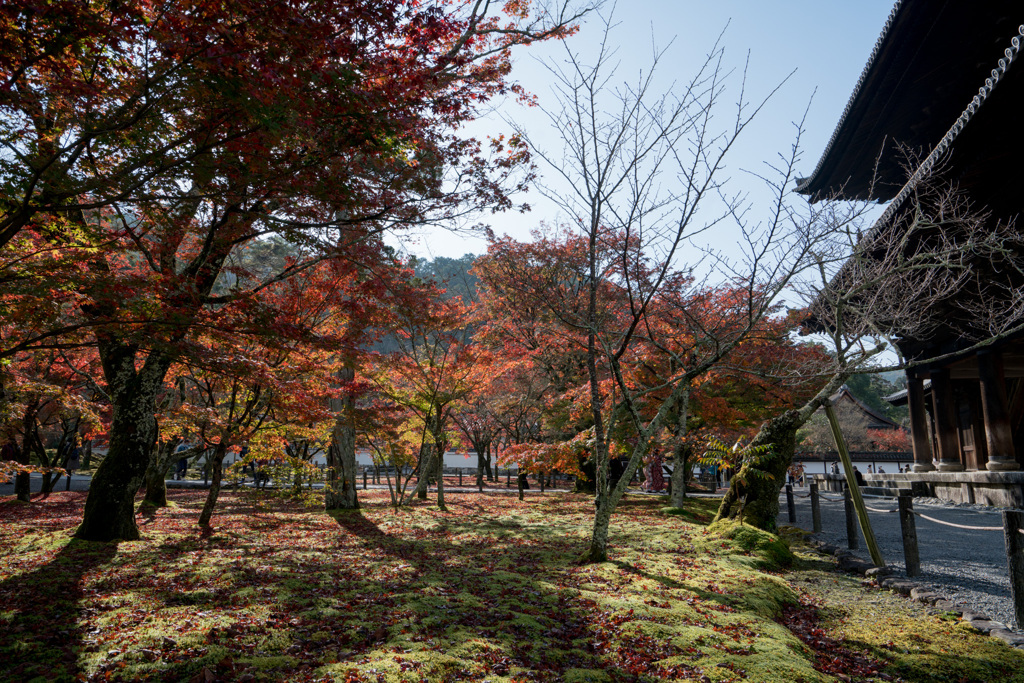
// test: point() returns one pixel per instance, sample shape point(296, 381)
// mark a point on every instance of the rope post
point(815, 507)
point(790, 504)
point(911, 556)
point(1013, 522)
point(364, 479)
point(851, 519)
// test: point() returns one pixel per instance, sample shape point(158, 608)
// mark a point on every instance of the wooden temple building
point(945, 79)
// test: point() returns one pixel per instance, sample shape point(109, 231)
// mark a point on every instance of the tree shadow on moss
point(43, 609)
point(936, 662)
point(534, 625)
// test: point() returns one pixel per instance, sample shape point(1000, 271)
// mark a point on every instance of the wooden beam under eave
point(967, 368)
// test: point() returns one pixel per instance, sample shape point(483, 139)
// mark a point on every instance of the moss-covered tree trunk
point(754, 494)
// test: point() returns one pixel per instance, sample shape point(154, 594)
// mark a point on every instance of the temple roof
point(969, 134)
point(935, 61)
point(875, 419)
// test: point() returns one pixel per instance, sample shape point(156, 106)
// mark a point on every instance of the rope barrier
point(834, 500)
point(958, 526)
point(893, 498)
point(930, 519)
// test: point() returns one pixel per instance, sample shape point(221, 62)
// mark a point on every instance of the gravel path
point(968, 567)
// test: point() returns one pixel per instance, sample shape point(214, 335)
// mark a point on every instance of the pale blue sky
point(827, 42)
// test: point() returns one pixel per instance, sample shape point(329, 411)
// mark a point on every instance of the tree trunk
point(345, 438)
point(23, 456)
point(426, 465)
point(87, 458)
point(677, 482)
point(110, 505)
point(156, 474)
point(598, 551)
point(440, 481)
point(603, 502)
point(680, 453)
point(341, 489)
point(753, 496)
point(586, 483)
point(606, 500)
point(217, 473)
point(23, 486)
point(156, 487)
point(487, 465)
point(335, 479)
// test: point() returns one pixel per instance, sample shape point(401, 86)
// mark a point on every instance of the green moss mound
point(772, 551)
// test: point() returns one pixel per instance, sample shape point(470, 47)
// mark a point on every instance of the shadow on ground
point(41, 611)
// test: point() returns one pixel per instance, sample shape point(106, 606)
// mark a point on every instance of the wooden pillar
point(919, 425)
point(978, 428)
point(998, 434)
point(945, 422)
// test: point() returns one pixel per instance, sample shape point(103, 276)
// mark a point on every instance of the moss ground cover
point(487, 591)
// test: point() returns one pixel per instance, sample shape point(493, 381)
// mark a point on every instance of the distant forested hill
point(451, 274)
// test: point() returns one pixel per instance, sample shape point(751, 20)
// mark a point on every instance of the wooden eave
point(929, 62)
